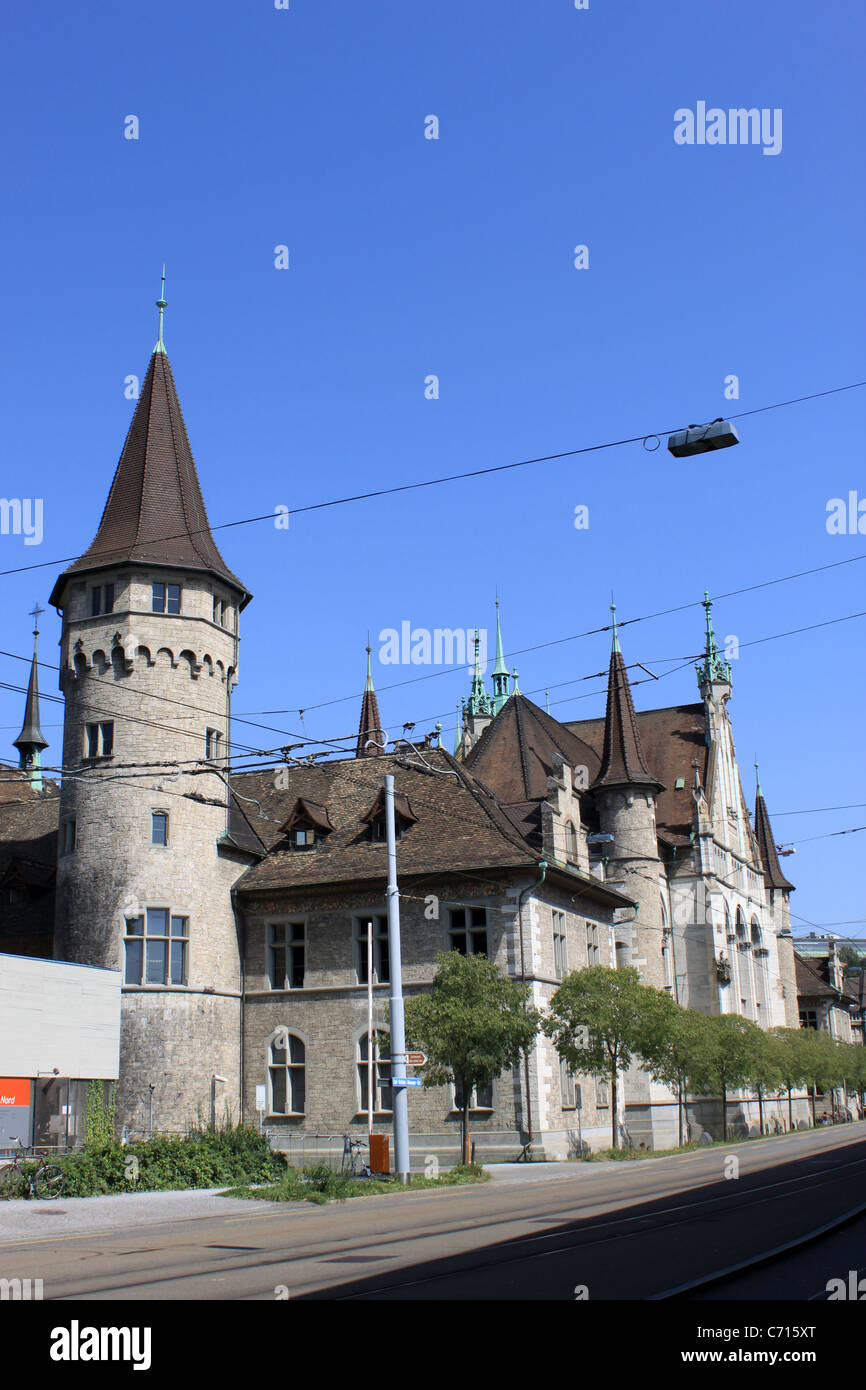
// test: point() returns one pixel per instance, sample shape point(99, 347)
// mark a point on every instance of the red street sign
point(416, 1059)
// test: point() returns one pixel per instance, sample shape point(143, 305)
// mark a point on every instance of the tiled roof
point(767, 847)
point(370, 734)
point(155, 513)
point(809, 982)
point(622, 756)
point(671, 738)
point(516, 753)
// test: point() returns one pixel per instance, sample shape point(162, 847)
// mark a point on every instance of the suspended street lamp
point(700, 439)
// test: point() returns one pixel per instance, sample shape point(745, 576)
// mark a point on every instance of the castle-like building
point(238, 906)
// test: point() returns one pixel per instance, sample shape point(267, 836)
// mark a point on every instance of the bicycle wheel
point(11, 1182)
point(47, 1183)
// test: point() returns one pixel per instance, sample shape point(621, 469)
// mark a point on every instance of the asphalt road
point(619, 1231)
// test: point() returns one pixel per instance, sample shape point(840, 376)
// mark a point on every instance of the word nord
point(22, 516)
point(77, 1343)
point(420, 646)
point(736, 126)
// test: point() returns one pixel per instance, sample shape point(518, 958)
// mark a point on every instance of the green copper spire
point(458, 732)
point(713, 667)
point(516, 690)
point(161, 306)
point(479, 702)
point(500, 670)
point(614, 640)
point(369, 685)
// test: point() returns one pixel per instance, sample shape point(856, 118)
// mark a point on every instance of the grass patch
point(321, 1184)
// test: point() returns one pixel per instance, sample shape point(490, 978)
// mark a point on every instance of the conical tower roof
point(155, 513)
point(622, 759)
point(767, 845)
point(370, 734)
point(31, 736)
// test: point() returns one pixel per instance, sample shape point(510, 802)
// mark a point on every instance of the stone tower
point(625, 792)
point(146, 864)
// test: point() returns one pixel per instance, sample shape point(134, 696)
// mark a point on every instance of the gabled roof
point(309, 813)
point(810, 985)
point(517, 752)
point(767, 847)
point(402, 809)
point(155, 513)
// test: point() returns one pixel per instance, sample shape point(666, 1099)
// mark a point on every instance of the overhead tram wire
point(436, 482)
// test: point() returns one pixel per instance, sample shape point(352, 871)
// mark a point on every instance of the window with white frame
point(159, 828)
point(567, 1086)
point(155, 948)
point(467, 930)
point(287, 1061)
point(593, 955)
point(383, 1095)
point(560, 946)
point(165, 598)
point(381, 963)
point(287, 952)
point(480, 1097)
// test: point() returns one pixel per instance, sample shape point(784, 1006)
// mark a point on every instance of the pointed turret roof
point(370, 734)
point(155, 513)
point(31, 736)
point(517, 753)
point(622, 759)
point(767, 845)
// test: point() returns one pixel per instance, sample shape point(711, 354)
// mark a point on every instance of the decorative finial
point(758, 791)
point(614, 643)
point(161, 306)
point(35, 614)
point(369, 685)
point(714, 667)
point(516, 690)
point(547, 701)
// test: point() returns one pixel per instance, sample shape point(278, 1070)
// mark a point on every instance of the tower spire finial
point(614, 638)
point(161, 306)
point(758, 791)
point(500, 670)
point(714, 668)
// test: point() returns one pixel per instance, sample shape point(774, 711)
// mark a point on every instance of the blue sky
point(412, 257)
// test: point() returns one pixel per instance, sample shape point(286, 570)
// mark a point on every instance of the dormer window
point(165, 598)
point(307, 824)
point(374, 819)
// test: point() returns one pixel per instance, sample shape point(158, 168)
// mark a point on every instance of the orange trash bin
point(380, 1156)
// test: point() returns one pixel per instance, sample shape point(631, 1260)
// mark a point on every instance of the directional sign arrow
point(416, 1059)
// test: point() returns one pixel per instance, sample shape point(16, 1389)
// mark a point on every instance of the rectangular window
point(381, 964)
point(467, 930)
point(602, 1092)
point(67, 837)
point(159, 828)
point(156, 948)
point(99, 740)
point(286, 955)
point(481, 1097)
point(212, 739)
point(101, 599)
point(593, 956)
point(566, 1085)
point(287, 1075)
point(808, 1018)
point(560, 952)
point(383, 1096)
point(165, 598)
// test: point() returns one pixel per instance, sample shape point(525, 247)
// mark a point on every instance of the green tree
point(730, 1047)
point(600, 1019)
point(822, 1064)
point(766, 1073)
point(849, 956)
point(474, 1024)
point(675, 1054)
point(791, 1060)
point(99, 1117)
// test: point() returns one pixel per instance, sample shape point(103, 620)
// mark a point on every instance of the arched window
point(287, 1075)
point(741, 925)
point(382, 1094)
point(570, 842)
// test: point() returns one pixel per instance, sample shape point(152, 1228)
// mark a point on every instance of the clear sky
point(411, 258)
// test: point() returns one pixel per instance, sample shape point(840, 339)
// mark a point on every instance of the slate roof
point(155, 513)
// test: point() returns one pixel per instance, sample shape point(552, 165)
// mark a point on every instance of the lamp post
point(398, 1026)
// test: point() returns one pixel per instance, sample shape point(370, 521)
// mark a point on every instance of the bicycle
point(355, 1168)
point(45, 1183)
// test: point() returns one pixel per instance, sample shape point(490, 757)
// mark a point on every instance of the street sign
point(261, 1103)
point(416, 1059)
point(406, 1081)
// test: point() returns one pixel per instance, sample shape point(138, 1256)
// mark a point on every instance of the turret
point(149, 654)
point(371, 738)
point(31, 741)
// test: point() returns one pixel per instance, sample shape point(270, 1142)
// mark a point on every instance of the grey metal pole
point(398, 1028)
